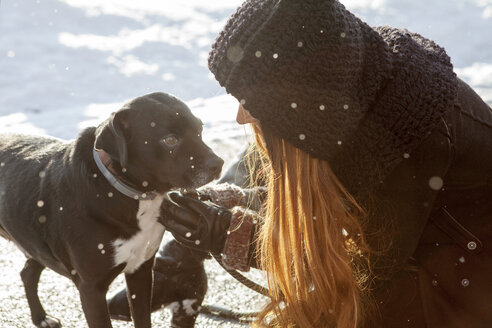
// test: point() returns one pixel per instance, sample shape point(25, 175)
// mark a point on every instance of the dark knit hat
point(319, 77)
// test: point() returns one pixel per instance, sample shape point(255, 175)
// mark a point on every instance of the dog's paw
point(49, 322)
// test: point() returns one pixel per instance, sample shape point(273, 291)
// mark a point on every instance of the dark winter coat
point(436, 208)
point(432, 220)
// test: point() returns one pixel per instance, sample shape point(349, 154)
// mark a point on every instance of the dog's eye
point(170, 141)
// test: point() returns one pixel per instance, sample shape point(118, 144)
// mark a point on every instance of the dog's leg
point(93, 299)
point(139, 293)
point(30, 275)
point(118, 306)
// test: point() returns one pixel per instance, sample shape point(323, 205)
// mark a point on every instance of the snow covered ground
point(67, 64)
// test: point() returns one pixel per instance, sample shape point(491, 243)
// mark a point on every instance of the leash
point(241, 278)
point(224, 313)
point(221, 312)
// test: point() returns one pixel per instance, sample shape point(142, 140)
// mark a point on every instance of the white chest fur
point(141, 246)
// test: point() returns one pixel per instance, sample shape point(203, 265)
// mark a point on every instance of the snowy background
point(67, 64)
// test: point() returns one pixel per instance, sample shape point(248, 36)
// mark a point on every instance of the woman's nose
point(244, 117)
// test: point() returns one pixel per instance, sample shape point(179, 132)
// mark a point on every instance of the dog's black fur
point(180, 283)
point(179, 273)
point(64, 215)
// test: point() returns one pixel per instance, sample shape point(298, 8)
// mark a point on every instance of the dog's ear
point(112, 136)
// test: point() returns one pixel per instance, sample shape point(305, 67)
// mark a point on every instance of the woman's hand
point(194, 223)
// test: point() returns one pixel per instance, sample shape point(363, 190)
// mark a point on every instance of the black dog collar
point(118, 184)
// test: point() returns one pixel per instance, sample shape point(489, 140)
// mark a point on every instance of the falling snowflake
point(110, 194)
point(465, 282)
point(436, 183)
point(100, 246)
point(145, 183)
point(188, 234)
point(300, 44)
point(302, 136)
point(275, 56)
point(152, 124)
point(293, 105)
point(322, 107)
point(42, 219)
point(258, 54)
point(40, 203)
point(235, 54)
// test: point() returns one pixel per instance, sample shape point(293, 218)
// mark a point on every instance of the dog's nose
point(214, 165)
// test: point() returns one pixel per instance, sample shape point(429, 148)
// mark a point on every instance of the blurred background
point(67, 64)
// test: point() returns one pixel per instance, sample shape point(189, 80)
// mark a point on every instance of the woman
point(379, 168)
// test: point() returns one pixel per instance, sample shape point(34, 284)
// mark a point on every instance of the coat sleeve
point(399, 212)
point(401, 207)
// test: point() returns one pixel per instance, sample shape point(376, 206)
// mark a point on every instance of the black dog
point(180, 283)
point(88, 209)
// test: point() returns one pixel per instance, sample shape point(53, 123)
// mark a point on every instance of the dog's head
point(156, 143)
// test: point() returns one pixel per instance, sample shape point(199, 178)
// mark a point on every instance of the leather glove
point(195, 224)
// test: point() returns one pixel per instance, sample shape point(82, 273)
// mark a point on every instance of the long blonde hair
point(311, 244)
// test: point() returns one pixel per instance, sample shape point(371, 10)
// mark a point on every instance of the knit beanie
point(314, 74)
